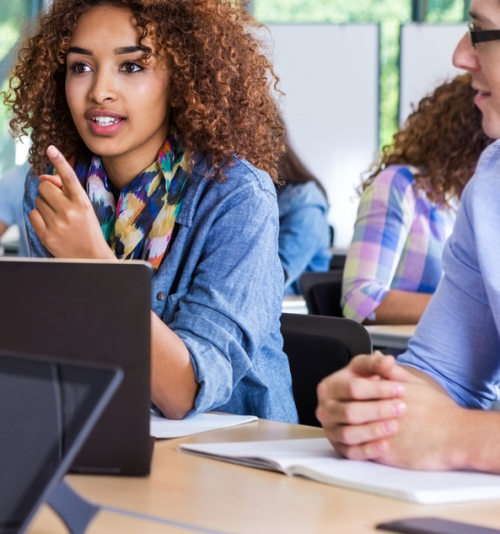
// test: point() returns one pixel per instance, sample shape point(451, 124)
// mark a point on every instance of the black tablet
point(47, 409)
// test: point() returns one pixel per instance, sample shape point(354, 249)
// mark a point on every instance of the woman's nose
point(465, 56)
point(104, 88)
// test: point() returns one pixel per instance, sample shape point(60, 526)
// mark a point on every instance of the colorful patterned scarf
point(140, 224)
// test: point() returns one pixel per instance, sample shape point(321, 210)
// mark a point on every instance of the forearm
point(173, 384)
point(477, 441)
point(401, 307)
point(471, 437)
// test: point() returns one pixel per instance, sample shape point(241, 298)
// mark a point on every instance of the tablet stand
point(75, 512)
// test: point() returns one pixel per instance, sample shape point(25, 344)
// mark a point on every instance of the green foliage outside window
point(13, 17)
point(389, 13)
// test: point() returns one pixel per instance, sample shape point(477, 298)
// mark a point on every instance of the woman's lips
point(105, 125)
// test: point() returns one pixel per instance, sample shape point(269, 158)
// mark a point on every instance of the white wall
point(330, 76)
point(426, 61)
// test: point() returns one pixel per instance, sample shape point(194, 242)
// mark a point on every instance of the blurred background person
point(11, 204)
point(408, 208)
point(304, 236)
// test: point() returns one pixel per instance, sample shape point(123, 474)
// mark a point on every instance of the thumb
point(399, 374)
point(52, 178)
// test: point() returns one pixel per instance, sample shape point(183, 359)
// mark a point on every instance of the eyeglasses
point(481, 36)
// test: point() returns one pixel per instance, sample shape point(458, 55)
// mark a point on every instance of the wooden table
point(234, 499)
point(391, 336)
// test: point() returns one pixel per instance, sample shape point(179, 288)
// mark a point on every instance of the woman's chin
point(491, 126)
point(105, 147)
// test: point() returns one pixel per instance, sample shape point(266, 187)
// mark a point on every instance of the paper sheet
point(166, 428)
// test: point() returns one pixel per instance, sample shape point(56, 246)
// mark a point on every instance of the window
point(13, 17)
point(389, 13)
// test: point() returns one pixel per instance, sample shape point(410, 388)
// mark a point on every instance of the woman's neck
point(122, 170)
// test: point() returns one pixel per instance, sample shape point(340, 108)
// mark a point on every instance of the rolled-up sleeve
point(384, 220)
point(233, 305)
point(457, 340)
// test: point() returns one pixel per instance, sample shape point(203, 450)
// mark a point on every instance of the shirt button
point(161, 296)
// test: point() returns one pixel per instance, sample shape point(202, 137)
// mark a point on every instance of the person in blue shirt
point(11, 204)
point(304, 236)
point(154, 140)
point(429, 410)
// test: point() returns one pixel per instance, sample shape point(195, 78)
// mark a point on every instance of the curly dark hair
point(442, 138)
point(221, 103)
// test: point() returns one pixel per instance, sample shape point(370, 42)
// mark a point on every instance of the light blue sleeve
point(457, 340)
point(303, 230)
point(11, 195)
point(234, 302)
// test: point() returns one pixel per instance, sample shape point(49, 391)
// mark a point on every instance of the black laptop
point(48, 407)
point(90, 311)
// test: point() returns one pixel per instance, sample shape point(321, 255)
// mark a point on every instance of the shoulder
point(244, 185)
point(396, 177)
point(298, 195)
point(393, 187)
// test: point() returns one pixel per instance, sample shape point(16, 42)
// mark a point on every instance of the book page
point(162, 428)
point(278, 454)
point(316, 459)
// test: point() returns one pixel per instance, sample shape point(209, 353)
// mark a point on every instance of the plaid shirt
point(398, 243)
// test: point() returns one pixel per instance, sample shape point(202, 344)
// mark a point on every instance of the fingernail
point(52, 151)
point(398, 408)
point(390, 427)
point(398, 389)
point(380, 446)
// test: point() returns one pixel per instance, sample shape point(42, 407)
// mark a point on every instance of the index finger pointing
point(70, 182)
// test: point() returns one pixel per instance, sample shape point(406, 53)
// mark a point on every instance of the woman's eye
point(80, 68)
point(131, 68)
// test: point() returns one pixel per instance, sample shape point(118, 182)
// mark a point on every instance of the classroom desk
point(294, 304)
point(391, 336)
point(241, 500)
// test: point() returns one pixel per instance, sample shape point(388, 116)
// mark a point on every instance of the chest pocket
point(172, 305)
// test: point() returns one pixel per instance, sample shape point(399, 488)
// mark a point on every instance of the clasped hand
point(64, 218)
point(375, 409)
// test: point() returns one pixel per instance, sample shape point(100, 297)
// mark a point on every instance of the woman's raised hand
point(64, 218)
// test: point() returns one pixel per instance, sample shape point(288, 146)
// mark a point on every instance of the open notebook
point(315, 459)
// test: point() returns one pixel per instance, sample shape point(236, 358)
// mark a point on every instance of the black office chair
point(338, 262)
point(322, 292)
point(316, 347)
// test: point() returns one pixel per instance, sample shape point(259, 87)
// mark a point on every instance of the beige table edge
point(236, 499)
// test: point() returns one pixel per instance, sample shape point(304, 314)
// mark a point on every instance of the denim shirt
point(220, 290)
point(304, 235)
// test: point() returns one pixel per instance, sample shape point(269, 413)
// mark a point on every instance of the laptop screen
point(44, 407)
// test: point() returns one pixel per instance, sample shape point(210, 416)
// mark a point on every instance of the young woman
point(304, 235)
point(408, 208)
point(156, 117)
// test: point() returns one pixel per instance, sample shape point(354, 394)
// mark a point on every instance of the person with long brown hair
point(408, 208)
point(155, 137)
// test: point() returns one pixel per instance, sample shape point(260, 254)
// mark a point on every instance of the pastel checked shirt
point(398, 243)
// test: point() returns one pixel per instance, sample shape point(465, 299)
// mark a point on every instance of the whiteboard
point(425, 61)
point(330, 74)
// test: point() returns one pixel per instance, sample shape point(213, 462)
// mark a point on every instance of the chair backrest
point(338, 262)
point(322, 292)
point(317, 347)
